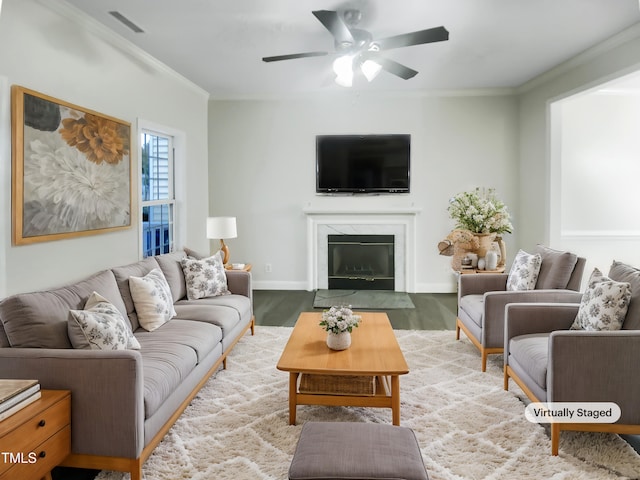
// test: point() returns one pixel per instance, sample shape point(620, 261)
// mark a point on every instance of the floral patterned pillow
point(205, 277)
point(100, 326)
point(604, 304)
point(524, 271)
point(152, 299)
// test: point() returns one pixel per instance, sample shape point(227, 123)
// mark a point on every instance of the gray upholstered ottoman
point(341, 450)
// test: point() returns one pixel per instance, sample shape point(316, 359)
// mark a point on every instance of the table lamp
point(222, 227)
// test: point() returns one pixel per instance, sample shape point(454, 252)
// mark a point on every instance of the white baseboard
point(436, 288)
point(278, 285)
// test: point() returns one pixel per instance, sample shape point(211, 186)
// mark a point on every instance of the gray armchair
point(554, 364)
point(482, 298)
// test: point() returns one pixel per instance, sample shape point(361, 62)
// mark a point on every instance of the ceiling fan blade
point(332, 22)
point(293, 56)
point(394, 67)
point(437, 34)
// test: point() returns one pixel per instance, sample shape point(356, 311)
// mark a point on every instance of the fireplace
point(362, 262)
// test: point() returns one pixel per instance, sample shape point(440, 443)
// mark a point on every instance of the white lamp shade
point(221, 227)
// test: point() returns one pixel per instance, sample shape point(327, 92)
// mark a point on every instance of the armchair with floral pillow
point(547, 275)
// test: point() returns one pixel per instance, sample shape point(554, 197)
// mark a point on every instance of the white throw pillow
point(604, 304)
point(100, 326)
point(524, 271)
point(205, 277)
point(152, 298)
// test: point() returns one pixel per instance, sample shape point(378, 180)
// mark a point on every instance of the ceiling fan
point(358, 51)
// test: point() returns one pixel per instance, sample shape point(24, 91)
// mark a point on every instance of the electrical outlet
point(267, 268)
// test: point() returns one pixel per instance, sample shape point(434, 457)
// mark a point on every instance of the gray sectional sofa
point(124, 401)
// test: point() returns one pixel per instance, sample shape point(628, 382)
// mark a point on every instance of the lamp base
point(225, 252)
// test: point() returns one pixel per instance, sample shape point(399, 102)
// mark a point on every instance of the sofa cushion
point(205, 277)
point(169, 354)
point(39, 319)
point(165, 364)
point(201, 337)
point(622, 272)
point(604, 304)
point(531, 352)
point(556, 267)
point(473, 306)
point(172, 269)
point(223, 317)
point(122, 274)
point(239, 303)
point(100, 326)
point(152, 298)
point(524, 271)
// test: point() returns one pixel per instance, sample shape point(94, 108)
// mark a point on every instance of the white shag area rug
point(467, 426)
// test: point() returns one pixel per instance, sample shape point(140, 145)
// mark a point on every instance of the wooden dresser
point(37, 438)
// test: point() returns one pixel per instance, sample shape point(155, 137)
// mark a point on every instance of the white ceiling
point(219, 44)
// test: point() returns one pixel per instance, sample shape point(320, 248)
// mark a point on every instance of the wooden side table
point(37, 438)
point(246, 268)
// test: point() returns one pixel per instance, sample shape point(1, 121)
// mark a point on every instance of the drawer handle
point(42, 423)
point(42, 454)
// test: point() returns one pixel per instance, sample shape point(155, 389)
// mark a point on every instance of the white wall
point(50, 48)
point(540, 126)
point(262, 161)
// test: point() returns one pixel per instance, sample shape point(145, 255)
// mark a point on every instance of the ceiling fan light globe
point(344, 80)
point(343, 66)
point(370, 69)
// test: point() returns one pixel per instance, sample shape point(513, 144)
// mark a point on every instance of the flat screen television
point(363, 163)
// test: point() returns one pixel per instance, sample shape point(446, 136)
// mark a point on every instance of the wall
point(51, 48)
point(540, 126)
point(262, 170)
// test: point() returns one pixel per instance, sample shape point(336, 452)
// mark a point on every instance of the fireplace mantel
point(398, 221)
point(362, 211)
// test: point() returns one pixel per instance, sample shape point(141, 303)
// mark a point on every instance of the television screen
point(363, 163)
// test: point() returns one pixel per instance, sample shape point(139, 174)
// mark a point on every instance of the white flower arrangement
point(480, 211)
point(339, 319)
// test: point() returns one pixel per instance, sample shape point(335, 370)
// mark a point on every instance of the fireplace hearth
point(361, 262)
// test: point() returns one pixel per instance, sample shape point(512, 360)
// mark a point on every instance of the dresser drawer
point(39, 427)
point(36, 438)
point(40, 460)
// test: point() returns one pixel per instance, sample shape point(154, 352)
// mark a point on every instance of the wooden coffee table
point(374, 353)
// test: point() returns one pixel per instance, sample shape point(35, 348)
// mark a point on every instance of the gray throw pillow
point(556, 268)
point(621, 272)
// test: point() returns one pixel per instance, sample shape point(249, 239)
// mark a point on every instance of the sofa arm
point(107, 394)
point(239, 282)
point(528, 318)
point(480, 283)
point(596, 367)
point(495, 303)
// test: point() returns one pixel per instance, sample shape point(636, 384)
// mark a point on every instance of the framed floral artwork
point(71, 169)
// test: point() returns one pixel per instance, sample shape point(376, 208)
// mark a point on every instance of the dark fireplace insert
point(361, 262)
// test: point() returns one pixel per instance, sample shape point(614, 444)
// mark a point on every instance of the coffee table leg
point(293, 391)
point(395, 399)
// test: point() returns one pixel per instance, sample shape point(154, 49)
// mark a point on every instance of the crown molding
point(627, 35)
point(77, 16)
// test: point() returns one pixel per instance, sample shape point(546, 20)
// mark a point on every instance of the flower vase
point(484, 241)
point(339, 341)
point(503, 252)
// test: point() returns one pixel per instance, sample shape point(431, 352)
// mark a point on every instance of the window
point(157, 193)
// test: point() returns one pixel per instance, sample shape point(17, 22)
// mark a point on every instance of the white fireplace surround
point(399, 222)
